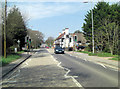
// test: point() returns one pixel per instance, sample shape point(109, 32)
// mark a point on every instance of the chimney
point(63, 30)
point(67, 31)
point(59, 33)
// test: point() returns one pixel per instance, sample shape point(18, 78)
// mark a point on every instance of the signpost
point(18, 44)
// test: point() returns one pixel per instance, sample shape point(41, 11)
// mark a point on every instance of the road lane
point(89, 74)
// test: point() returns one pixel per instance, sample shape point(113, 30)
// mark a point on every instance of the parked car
point(58, 50)
point(47, 47)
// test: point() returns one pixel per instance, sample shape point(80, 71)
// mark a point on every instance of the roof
point(60, 36)
point(80, 37)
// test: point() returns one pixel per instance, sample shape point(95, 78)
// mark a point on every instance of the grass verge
point(102, 54)
point(84, 52)
point(20, 52)
point(10, 58)
point(115, 58)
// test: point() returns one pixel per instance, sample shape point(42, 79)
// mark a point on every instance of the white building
point(69, 40)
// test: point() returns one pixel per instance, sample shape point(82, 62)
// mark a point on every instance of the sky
point(51, 16)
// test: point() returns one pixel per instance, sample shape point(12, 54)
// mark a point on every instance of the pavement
point(12, 65)
point(103, 60)
point(40, 70)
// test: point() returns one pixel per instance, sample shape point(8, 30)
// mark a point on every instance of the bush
point(11, 49)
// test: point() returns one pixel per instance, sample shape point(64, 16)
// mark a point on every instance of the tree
point(16, 28)
point(100, 12)
point(50, 41)
point(77, 31)
point(106, 17)
point(36, 37)
point(2, 17)
point(0, 28)
point(111, 36)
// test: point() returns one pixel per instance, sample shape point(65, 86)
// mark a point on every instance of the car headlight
point(56, 50)
point(62, 49)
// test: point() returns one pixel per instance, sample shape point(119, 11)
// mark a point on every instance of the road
point(41, 71)
point(87, 73)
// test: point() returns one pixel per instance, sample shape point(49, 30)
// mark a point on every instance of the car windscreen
point(58, 48)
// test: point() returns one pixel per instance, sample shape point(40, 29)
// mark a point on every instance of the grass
point(102, 54)
point(117, 58)
point(20, 52)
point(10, 58)
point(84, 52)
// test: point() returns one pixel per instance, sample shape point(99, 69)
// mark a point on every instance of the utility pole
point(5, 14)
point(92, 29)
point(93, 43)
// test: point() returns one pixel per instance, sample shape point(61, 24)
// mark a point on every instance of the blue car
point(59, 50)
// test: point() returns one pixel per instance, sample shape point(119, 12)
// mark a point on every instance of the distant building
point(70, 41)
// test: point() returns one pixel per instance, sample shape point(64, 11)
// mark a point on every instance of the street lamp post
point(92, 26)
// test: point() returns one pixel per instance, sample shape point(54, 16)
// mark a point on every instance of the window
point(67, 36)
point(62, 39)
point(70, 39)
point(75, 38)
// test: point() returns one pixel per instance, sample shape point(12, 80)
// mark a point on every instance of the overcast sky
point(51, 16)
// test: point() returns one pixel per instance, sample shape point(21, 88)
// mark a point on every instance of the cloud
point(60, 0)
point(43, 10)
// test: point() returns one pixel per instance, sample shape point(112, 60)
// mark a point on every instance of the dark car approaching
point(59, 50)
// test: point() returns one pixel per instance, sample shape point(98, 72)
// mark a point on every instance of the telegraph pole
point(5, 14)
point(92, 30)
point(93, 43)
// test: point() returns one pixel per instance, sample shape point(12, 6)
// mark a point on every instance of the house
point(70, 41)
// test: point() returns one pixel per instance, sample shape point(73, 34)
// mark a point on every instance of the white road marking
point(76, 56)
point(84, 59)
point(116, 68)
point(66, 75)
point(23, 66)
point(10, 82)
point(19, 70)
point(29, 60)
point(36, 52)
point(13, 77)
point(73, 78)
point(26, 63)
point(59, 65)
point(54, 58)
point(102, 65)
point(7, 82)
point(9, 78)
